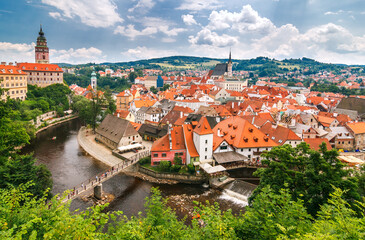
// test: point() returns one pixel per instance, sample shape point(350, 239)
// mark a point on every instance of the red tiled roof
point(11, 70)
point(161, 145)
point(177, 138)
point(279, 134)
point(40, 67)
point(357, 127)
point(241, 134)
point(177, 141)
point(203, 127)
point(314, 143)
point(188, 133)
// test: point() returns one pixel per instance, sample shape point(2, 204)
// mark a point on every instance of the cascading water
point(238, 192)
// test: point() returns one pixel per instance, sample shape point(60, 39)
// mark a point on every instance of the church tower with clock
point(41, 50)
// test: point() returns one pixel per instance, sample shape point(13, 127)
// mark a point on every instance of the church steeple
point(229, 65)
point(41, 50)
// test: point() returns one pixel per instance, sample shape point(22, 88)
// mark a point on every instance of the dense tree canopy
point(17, 169)
point(309, 175)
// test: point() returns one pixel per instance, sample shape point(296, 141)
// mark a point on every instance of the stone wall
point(171, 176)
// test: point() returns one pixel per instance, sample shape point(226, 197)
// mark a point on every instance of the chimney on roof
point(181, 114)
point(10, 64)
point(170, 140)
point(219, 133)
point(3, 63)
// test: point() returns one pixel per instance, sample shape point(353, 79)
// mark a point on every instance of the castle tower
point(93, 80)
point(41, 50)
point(229, 65)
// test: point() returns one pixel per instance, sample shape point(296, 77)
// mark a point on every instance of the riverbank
point(98, 151)
point(56, 122)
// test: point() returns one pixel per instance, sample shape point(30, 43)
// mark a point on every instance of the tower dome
point(41, 50)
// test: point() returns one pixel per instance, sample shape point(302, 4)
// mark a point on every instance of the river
point(70, 165)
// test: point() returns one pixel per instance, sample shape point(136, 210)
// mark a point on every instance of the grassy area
point(289, 66)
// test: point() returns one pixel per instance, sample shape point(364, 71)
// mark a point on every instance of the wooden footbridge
point(102, 177)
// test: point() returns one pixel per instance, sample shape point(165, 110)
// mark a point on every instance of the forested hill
point(196, 63)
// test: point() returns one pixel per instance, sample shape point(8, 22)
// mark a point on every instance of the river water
point(70, 165)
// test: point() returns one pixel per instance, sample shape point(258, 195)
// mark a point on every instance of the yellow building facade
point(14, 81)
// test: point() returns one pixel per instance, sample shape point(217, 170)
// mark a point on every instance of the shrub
point(191, 168)
point(165, 166)
point(175, 168)
point(177, 160)
point(145, 160)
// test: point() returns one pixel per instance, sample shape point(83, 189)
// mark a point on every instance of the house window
point(249, 149)
point(206, 141)
point(223, 147)
point(163, 154)
point(249, 156)
point(155, 155)
point(206, 157)
point(206, 149)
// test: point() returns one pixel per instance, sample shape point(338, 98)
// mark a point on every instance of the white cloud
point(99, 13)
point(152, 25)
point(142, 5)
point(146, 53)
point(20, 52)
point(188, 19)
point(56, 15)
point(207, 37)
point(251, 35)
point(198, 5)
point(168, 40)
point(247, 20)
point(80, 55)
point(132, 33)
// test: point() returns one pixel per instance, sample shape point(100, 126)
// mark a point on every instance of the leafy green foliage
point(164, 166)
point(309, 175)
point(24, 217)
point(82, 79)
point(16, 169)
point(145, 160)
point(272, 215)
point(153, 89)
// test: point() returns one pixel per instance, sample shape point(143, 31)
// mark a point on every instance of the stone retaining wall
point(177, 177)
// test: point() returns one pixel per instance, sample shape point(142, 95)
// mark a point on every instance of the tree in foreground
point(308, 175)
point(15, 168)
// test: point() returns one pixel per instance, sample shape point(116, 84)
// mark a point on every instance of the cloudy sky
point(81, 31)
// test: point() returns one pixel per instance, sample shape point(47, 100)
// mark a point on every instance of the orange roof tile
point(39, 67)
point(144, 103)
point(203, 127)
point(314, 143)
point(136, 126)
point(357, 127)
point(188, 133)
point(11, 70)
point(240, 133)
point(161, 145)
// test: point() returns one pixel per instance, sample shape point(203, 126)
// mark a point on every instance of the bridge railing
point(101, 177)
